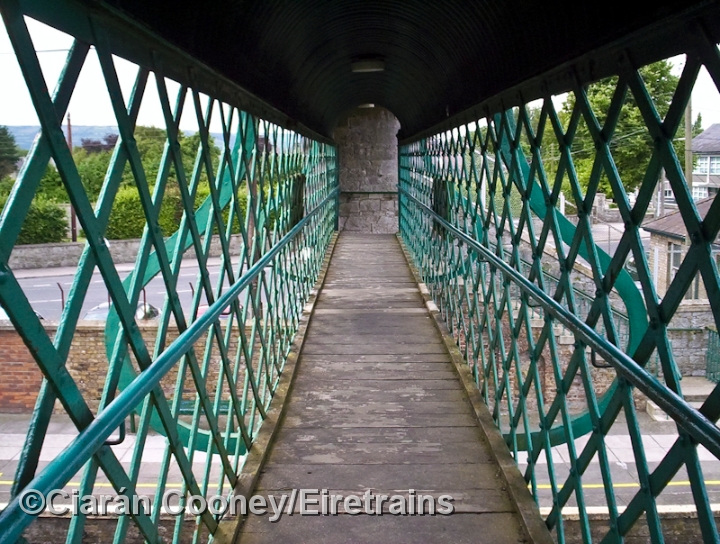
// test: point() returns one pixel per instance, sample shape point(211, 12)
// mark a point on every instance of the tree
point(151, 143)
point(51, 186)
point(45, 222)
point(631, 145)
point(92, 167)
point(9, 154)
point(96, 146)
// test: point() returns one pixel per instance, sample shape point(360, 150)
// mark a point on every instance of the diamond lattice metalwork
point(559, 337)
point(204, 376)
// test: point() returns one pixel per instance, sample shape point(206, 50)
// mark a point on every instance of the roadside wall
point(67, 254)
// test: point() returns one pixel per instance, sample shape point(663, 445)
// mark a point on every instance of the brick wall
point(21, 378)
point(87, 364)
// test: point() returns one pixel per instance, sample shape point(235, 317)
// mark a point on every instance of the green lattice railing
point(712, 371)
point(478, 206)
point(271, 187)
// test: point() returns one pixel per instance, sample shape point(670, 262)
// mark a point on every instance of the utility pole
point(73, 221)
point(688, 147)
point(661, 195)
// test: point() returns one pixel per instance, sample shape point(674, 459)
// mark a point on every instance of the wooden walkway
point(377, 406)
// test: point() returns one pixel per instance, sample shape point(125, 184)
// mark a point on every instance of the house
point(692, 324)
point(706, 172)
point(669, 243)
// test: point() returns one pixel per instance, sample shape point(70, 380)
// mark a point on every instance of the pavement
point(61, 432)
point(658, 437)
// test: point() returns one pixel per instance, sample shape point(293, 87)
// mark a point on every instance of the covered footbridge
point(402, 283)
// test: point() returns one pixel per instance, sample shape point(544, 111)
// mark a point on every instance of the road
point(44, 288)
point(607, 236)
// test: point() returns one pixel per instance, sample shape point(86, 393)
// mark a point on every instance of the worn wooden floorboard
point(376, 405)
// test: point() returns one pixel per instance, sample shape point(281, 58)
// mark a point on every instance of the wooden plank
point(358, 396)
point(318, 476)
point(376, 454)
point(490, 528)
point(385, 358)
point(357, 418)
point(377, 405)
point(375, 348)
point(409, 435)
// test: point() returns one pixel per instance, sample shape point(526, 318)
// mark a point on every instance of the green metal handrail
point(478, 217)
point(712, 361)
point(91, 440)
point(697, 425)
point(272, 189)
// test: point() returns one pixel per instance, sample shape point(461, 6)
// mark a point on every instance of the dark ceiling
point(441, 57)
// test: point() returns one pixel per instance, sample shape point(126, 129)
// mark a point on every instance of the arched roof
point(440, 57)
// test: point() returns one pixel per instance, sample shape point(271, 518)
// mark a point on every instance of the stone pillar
point(368, 152)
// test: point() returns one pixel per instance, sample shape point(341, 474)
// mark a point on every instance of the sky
point(90, 104)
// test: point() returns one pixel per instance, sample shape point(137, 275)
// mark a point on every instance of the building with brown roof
point(691, 325)
point(669, 243)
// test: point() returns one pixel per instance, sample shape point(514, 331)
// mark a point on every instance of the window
point(715, 165)
point(701, 167)
point(699, 192)
point(674, 261)
point(675, 257)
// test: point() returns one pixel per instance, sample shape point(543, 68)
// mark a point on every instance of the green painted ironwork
point(202, 382)
point(556, 333)
point(712, 368)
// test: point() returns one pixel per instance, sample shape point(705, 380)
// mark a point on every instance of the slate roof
point(672, 224)
point(708, 142)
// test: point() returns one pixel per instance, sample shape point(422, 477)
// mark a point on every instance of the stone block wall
point(660, 251)
point(368, 157)
point(67, 254)
point(376, 213)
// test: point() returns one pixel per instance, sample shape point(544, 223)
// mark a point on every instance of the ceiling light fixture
point(367, 65)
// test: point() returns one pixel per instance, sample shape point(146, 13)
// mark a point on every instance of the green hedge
point(127, 219)
point(45, 223)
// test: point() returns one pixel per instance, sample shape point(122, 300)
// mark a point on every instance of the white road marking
point(41, 301)
point(42, 285)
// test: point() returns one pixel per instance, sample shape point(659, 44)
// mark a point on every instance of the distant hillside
point(25, 135)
